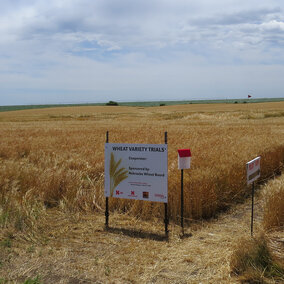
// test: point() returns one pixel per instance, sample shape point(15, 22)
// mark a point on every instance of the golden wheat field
point(52, 177)
point(56, 156)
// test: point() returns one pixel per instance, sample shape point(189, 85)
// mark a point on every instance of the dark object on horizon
point(112, 103)
point(162, 105)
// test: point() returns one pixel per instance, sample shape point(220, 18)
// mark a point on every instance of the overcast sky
point(71, 51)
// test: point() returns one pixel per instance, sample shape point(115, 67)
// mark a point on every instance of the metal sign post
point(252, 208)
point(253, 173)
point(184, 157)
point(181, 201)
point(166, 220)
point(106, 211)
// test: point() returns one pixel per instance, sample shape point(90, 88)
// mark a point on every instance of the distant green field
point(230, 101)
point(144, 104)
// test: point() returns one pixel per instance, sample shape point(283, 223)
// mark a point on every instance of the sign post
point(166, 203)
point(253, 173)
point(252, 209)
point(184, 156)
point(106, 211)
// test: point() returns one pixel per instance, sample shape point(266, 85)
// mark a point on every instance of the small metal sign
point(184, 157)
point(253, 170)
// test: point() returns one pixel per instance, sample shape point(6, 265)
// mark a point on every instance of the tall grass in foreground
point(254, 262)
point(46, 163)
point(274, 204)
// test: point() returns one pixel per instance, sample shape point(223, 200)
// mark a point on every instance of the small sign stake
point(181, 201)
point(184, 156)
point(252, 208)
point(253, 173)
point(106, 211)
point(106, 214)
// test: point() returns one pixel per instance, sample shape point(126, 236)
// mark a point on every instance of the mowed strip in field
point(55, 157)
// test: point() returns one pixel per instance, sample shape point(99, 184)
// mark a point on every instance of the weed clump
point(35, 280)
point(253, 262)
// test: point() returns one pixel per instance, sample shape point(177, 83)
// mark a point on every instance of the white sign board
point(137, 171)
point(253, 170)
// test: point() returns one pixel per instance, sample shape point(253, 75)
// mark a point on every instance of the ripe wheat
point(55, 157)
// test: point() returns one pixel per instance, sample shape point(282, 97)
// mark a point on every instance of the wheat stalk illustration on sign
point(117, 175)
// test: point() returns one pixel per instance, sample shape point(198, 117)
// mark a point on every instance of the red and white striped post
point(184, 157)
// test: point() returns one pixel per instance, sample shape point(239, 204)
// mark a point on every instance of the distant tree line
point(112, 103)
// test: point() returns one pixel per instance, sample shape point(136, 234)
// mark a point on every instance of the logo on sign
point(117, 192)
point(145, 194)
point(253, 164)
point(161, 196)
point(132, 194)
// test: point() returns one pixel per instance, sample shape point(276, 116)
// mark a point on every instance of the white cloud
point(273, 25)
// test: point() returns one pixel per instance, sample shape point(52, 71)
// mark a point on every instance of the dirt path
point(205, 256)
point(78, 250)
